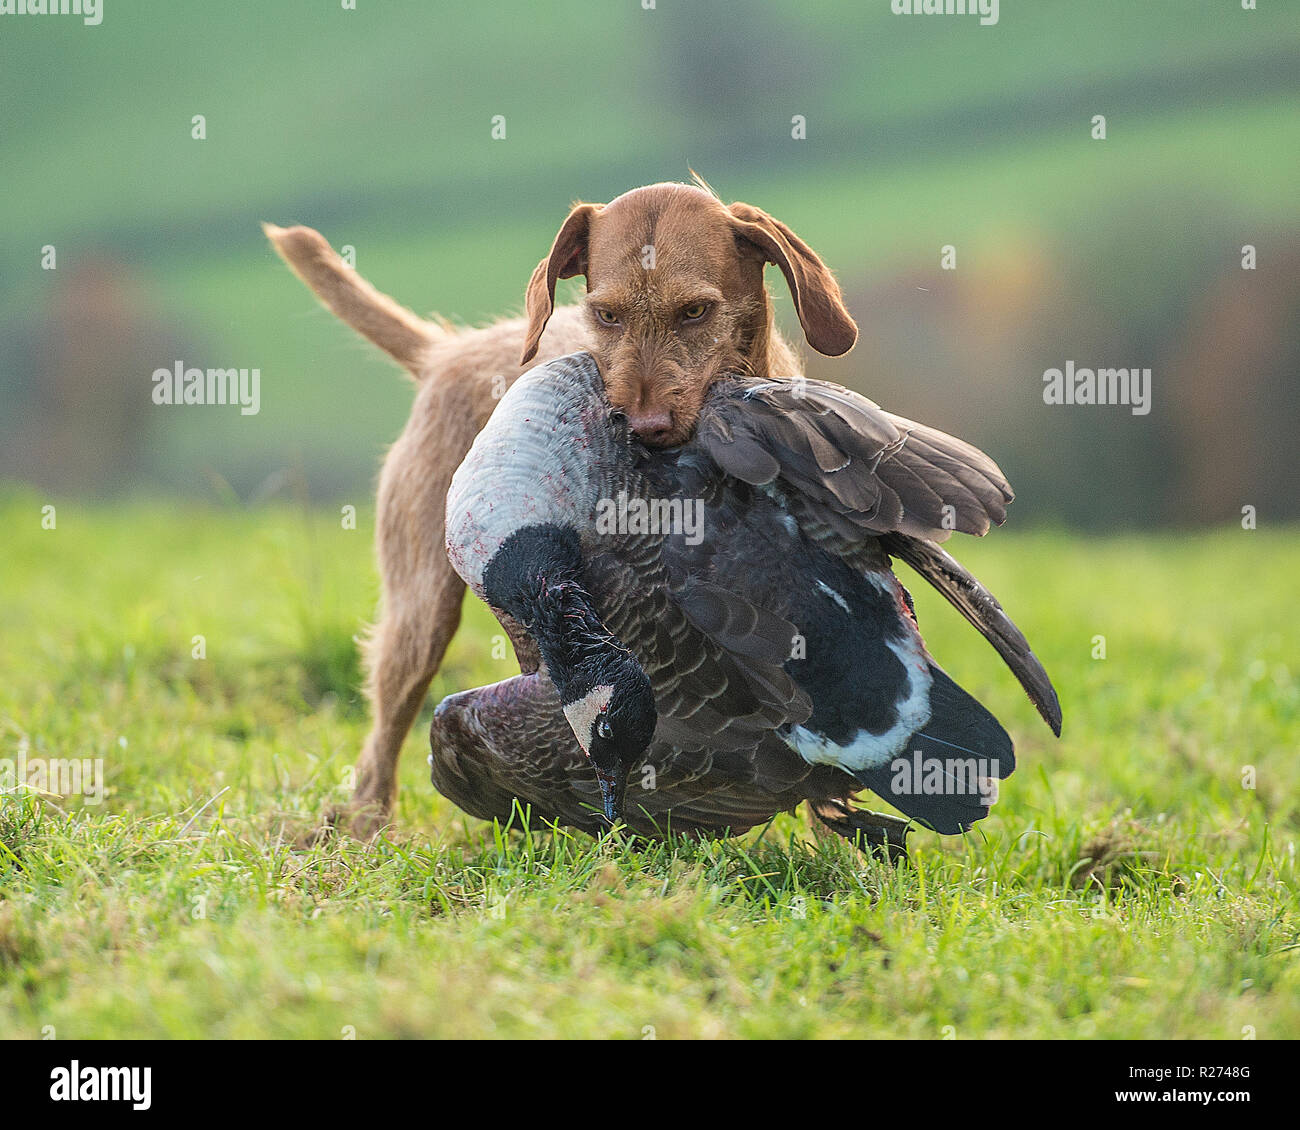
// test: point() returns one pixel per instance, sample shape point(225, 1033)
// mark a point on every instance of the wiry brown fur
point(656, 369)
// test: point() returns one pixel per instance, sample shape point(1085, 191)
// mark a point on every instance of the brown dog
point(675, 298)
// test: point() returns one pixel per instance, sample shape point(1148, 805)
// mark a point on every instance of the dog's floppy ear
point(817, 298)
point(568, 257)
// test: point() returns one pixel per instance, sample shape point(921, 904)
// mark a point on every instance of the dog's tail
point(396, 330)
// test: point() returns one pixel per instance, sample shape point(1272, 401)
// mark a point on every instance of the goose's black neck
point(536, 576)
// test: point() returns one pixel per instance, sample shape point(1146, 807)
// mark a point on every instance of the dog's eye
point(695, 311)
point(607, 317)
point(604, 729)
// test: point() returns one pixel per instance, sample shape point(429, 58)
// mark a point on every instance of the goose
point(712, 634)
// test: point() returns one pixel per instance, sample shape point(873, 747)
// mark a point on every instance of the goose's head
point(610, 706)
point(537, 577)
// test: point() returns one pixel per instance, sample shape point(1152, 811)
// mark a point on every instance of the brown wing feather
point(715, 659)
point(890, 492)
point(861, 471)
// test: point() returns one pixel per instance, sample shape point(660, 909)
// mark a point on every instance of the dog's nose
point(651, 427)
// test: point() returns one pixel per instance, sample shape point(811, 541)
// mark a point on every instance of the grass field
point(1127, 885)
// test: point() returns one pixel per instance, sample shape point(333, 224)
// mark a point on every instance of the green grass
point(1126, 886)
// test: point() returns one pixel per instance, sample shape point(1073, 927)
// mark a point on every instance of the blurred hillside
point(375, 126)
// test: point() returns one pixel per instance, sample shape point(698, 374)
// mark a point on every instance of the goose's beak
point(613, 788)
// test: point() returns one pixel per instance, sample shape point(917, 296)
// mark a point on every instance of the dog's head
point(675, 298)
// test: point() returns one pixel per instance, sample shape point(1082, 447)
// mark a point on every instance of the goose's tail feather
point(946, 777)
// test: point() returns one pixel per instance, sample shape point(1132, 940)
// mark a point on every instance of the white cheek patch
point(583, 713)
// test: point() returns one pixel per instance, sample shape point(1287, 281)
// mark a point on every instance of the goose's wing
point(847, 469)
point(859, 479)
point(715, 659)
point(713, 656)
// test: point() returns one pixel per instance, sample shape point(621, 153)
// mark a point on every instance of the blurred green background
point(374, 125)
